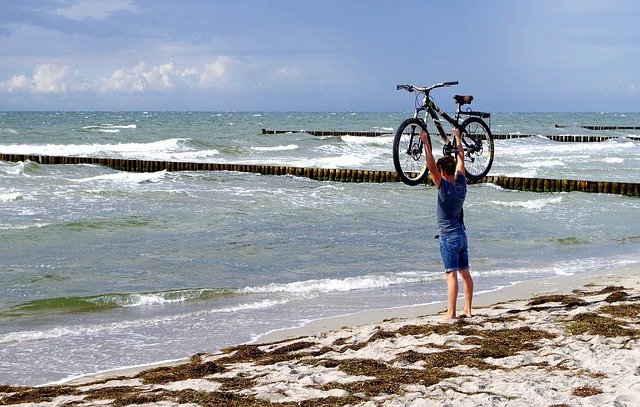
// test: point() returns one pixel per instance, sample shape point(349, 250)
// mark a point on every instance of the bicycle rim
point(408, 153)
point(478, 140)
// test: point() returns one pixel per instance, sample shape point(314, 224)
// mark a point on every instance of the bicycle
point(408, 149)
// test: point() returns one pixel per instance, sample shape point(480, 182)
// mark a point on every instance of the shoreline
point(515, 292)
point(518, 291)
point(567, 340)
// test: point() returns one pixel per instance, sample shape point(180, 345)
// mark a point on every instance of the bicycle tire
point(476, 135)
point(408, 152)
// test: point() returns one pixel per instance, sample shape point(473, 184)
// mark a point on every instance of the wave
point(152, 149)
point(63, 331)
point(128, 222)
point(566, 268)
point(533, 204)
point(329, 285)
point(8, 130)
point(128, 177)
point(379, 140)
point(108, 128)
point(64, 305)
point(20, 168)
point(11, 196)
point(23, 227)
point(276, 148)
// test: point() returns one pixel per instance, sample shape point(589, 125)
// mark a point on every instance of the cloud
point(213, 74)
point(94, 9)
point(140, 78)
point(143, 78)
point(222, 75)
point(47, 78)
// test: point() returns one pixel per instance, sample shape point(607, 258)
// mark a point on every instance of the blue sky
point(321, 55)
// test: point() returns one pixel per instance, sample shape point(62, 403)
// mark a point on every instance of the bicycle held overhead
point(477, 140)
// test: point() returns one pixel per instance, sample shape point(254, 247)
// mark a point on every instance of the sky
point(320, 55)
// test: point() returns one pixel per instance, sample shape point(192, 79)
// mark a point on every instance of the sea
point(103, 269)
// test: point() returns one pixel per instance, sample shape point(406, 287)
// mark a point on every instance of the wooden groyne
point(611, 127)
point(331, 132)
point(565, 185)
point(338, 133)
point(579, 139)
point(328, 174)
point(561, 138)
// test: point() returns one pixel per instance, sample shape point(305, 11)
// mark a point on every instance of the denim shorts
point(454, 252)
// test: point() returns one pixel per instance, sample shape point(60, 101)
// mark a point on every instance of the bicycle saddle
point(463, 100)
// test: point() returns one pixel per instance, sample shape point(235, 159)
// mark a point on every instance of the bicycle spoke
point(478, 148)
point(409, 158)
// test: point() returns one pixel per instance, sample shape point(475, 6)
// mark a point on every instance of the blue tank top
point(449, 214)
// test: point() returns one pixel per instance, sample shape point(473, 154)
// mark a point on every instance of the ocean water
point(102, 269)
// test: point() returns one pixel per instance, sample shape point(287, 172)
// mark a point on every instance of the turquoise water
point(103, 269)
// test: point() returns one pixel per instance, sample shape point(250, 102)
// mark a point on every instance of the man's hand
point(424, 137)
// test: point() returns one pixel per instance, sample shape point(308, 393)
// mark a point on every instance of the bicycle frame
point(476, 138)
point(434, 112)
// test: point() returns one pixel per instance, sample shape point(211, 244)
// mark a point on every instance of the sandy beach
point(566, 341)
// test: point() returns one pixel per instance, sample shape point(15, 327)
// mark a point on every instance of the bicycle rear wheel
point(408, 152)
point(478, 144)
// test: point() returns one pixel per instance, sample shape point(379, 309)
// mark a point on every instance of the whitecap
point(11, 196)
point(152, 149)
point(533, 204)
point(128, 177)
point(276, 148)
point(341, 285)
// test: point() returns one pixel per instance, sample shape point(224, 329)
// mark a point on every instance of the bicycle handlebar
point(411, 88)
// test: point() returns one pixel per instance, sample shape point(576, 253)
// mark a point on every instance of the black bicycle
point(408, 149)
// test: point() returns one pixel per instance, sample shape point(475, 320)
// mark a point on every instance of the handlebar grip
point(405, 87)
point(451, 83)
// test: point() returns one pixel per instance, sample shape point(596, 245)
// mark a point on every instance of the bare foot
point(449, 317)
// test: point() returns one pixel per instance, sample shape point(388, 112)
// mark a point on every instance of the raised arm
point(431, 161)
point(460, 152)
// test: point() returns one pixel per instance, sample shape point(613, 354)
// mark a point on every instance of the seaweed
point(623, 310)
point(586, 391)
point(195, 369)
point(37, 394)
point(594, 324)
point(567, 300)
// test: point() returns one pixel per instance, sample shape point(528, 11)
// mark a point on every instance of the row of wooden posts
point(562, 138)
point(327, 174)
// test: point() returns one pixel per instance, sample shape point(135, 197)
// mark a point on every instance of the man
point(448, 175)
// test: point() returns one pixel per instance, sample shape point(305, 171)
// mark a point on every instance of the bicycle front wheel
point(478, 148)
point(408, 152)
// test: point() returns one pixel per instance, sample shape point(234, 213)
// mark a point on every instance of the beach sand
point(566, 341)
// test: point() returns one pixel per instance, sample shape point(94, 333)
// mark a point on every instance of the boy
point(448, 175)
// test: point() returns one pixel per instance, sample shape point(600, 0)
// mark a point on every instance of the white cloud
point(213, 74)
point(140, 78)
point(94, 9)
point(219, 74)
point(47, 78)
point(18, 83)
